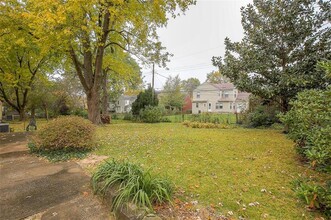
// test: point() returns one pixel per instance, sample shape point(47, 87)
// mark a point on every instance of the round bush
point(68, 132)
point(151, 114)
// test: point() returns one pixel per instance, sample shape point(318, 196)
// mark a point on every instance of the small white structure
point(219, 98)
point(123, 104)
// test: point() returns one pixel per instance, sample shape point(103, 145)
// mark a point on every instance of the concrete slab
point(30, 185)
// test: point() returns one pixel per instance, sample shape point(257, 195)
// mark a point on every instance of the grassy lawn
point(225, 169)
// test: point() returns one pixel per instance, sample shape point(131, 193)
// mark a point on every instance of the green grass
point(225, 168)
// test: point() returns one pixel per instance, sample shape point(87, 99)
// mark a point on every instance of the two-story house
point(219, 98)
point(123, 104)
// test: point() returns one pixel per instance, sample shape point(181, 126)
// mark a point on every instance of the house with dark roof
point(219, 98)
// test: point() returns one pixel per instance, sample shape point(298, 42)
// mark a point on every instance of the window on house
point(198, 95)
point(219, 105)
point(235, 94)
point(209, 106)
point(234, 105)
point(225, 94)
point(197, 105)
point(230, 105)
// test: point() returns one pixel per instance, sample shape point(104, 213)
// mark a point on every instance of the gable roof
point(224, 86)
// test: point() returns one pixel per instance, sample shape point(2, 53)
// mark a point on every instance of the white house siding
point(218, 98)
point(123, 104)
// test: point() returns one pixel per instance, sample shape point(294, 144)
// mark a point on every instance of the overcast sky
point(197, 36)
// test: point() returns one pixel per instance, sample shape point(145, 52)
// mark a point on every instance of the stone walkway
point(33, 188)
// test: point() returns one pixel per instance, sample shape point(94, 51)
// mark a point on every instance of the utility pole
point(153, 72)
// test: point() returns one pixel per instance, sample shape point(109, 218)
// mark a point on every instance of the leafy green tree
point(122, 74)
point(216, 77)
point(172, 97)
point(89, 30)
point(283, 40)
point(23, 57)
point(43, 96)
point(189, 85)
point(144, 99)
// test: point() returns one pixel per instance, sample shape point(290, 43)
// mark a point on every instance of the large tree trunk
point(105, 96)
point(93, 106)
point(21, 111)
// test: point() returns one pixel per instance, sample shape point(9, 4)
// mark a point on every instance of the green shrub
point(316, 196)
point(128, 116)
point(151, 114)
point(309, 125)
point(68, 132)
point(135, 185)
point(260, 116)
point(213, 118)
point(80, 112)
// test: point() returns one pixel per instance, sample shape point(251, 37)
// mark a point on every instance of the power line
point(198, 52)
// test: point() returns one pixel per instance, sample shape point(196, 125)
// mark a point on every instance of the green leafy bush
point(309, 124)
point(260, 116)
point(151, 114)
point(80, 112)
point(68, 132)
point(316, 196)
point(135, 185)
point(128, 116)
point(212, 118)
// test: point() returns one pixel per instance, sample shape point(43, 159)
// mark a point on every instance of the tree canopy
point(216, 77)
point(90, 32)
point(283, 41)
point(24, 57)
point(144, 99)
point(189, 85)
point(171, 96)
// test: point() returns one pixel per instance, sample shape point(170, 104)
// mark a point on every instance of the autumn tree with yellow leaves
point(89, 31)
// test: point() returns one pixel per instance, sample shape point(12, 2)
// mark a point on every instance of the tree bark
point(21, 112)
point(93, 106)
point(284, 104)
point(105, 96)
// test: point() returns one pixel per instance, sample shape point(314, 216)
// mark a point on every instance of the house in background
point(123, 104)
point(219, 98)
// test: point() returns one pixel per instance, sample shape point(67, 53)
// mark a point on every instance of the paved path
point(33, 188)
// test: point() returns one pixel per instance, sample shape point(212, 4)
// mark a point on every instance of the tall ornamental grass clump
point(135, 185)
point(309, 124)
point(67, 132)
